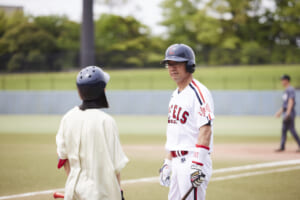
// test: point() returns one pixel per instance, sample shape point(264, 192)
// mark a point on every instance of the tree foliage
point(122, 41)
point(222, 32)
point(234, 31)
point(37, 43)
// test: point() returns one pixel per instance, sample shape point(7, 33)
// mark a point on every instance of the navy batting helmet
point(181, 53)
point(91, 82)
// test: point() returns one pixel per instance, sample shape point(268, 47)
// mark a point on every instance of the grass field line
point(30, 194)
point(229, 177)
point(257, 166)
point(223, 170)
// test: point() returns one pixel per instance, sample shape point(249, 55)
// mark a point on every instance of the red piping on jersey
point(193, 82)
point(202, 146)
point(198, 163)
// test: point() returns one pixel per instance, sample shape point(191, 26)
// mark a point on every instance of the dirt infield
point(255, 151)
point(244, 151)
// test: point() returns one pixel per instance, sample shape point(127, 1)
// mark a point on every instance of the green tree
point(8, 22)
point(121, 41)
point(68, 43)
point(286, 30)
point(178, 16)
point(29, 42)
point(234, 31)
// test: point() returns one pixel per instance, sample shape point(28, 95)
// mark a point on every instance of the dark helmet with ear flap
point(91, 82)
point(181, 53)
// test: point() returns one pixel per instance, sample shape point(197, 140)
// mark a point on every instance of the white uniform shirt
point(189, 109)
point(90, 140)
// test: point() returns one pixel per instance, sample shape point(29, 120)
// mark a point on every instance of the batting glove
point(197, 175)
point(165, 173)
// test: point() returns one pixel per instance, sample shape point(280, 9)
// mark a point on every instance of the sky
point(146, 11)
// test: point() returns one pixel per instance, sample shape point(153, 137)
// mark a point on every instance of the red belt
point(175, 154)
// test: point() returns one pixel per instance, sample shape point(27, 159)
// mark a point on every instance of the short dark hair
point(285, 77)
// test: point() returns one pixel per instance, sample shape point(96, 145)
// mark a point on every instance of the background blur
point(242, 48)
point(222, 32)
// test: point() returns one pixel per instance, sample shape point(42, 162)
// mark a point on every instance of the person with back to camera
point(88, 143)
point(288, 112)
point(187, 167)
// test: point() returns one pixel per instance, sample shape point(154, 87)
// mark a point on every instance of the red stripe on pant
point(195, 194)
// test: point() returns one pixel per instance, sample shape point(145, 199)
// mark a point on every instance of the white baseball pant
point(181, 179)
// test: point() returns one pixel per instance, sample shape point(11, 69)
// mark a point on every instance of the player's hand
point(287, 117)
point(165, 173)
point(277, 115)
point(197, 176)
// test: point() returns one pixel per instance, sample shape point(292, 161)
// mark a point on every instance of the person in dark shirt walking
point(288, 112)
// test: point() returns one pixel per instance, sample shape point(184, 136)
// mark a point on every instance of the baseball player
point(189, 130)
point(289, 113)
point(88, 143)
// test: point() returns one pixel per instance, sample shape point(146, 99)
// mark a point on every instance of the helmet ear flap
point(190, 67)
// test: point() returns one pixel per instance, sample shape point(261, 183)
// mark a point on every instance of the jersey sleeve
point(60, 142)
point(115, 149)
point(291, 93)
point(204, 111)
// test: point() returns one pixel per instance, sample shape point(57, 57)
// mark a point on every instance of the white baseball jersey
point(189, 109)
point(90, 140)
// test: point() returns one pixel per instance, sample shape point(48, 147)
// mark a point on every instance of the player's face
point(284, 82)
point(177, 71)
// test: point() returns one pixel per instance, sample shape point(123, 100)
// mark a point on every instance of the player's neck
point(185, 82)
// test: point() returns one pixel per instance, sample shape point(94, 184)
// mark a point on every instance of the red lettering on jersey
point(170, 108)
point(175, 115)
point(170, 121)
point(174, 111)
point(202, 112)
point(179, 110)
point(184, 117)
point(207, 108)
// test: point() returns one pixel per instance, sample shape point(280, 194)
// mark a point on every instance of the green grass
point(28, 157)
point(276, 186)
point(263, 126)
point(28, 163)
point(241, 77)
point(151, 129)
